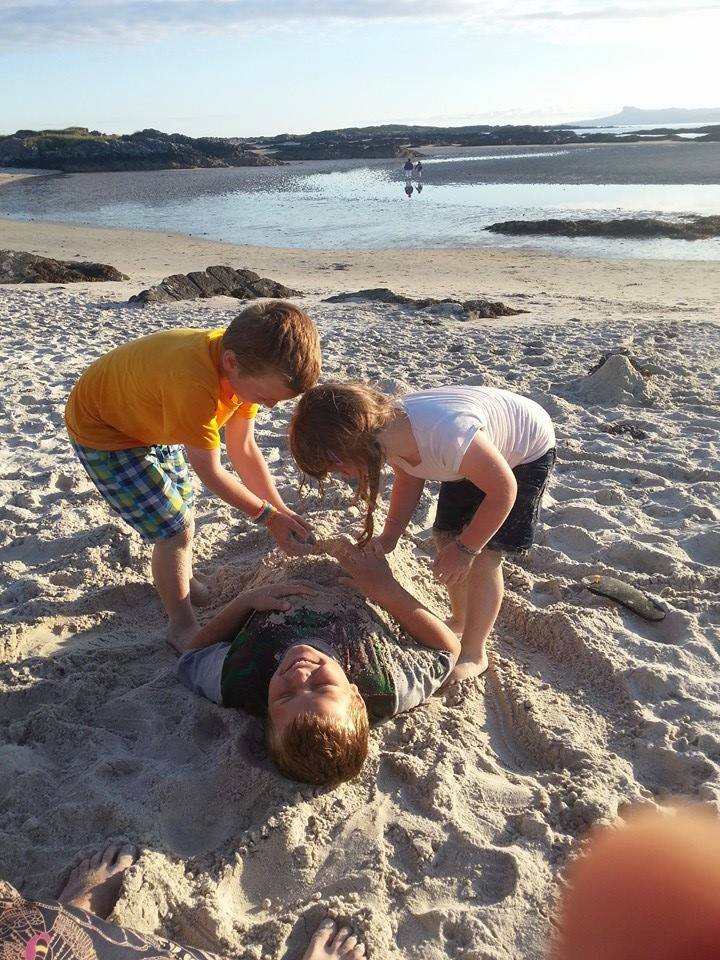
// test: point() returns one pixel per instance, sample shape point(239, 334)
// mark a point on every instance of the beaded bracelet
point(265, 513)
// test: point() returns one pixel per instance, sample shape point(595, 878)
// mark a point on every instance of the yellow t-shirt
point(163, 388)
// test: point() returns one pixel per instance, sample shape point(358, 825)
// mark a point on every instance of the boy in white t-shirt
point(493, 452)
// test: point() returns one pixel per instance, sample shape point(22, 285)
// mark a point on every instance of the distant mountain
point(629, 116)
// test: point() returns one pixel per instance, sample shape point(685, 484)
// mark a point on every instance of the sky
point(263, 67)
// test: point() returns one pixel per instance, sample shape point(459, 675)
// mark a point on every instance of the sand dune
point(449, 843)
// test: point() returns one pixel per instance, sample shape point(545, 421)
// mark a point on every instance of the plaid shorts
point(149, 487)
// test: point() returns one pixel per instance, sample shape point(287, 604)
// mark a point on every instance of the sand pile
point(616, 381)
point(449, 843)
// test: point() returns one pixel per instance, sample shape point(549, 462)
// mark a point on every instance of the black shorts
point(459, 499)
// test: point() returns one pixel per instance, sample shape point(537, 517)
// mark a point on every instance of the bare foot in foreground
point(179, 638)
point(329, 943)
point(199, 592)
point(95, 883)
point(466, 668)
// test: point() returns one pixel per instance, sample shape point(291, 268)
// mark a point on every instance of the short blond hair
point(322, 750)
point(276, 336)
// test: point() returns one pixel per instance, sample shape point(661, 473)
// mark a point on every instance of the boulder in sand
point(217, 281)
point(16, 266)
point(616, 381)
point(460, 309)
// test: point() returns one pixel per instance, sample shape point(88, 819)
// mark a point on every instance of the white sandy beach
point(450, 842)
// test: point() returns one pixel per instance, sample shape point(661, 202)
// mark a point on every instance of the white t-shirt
point(445, 420)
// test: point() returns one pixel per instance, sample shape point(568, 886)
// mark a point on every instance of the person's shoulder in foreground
point(318, 682)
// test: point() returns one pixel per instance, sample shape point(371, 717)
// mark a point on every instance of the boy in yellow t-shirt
point(139, 413)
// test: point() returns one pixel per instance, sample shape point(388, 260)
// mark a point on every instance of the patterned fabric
point(149, 487)
point(35, 930)
point(459, 499)
point(391, 675)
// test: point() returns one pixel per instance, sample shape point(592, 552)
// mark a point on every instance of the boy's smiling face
point(308, 681)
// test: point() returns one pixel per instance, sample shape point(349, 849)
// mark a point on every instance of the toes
point(127, 855)
point(81, 869)
point(349, 946)
point(324, 932)
point(342, 935)
point(97, 859)
point(109, 854)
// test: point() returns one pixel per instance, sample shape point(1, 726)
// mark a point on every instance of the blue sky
point(244, 67)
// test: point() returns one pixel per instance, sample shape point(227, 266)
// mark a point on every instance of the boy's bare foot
point(199, 592)
point(95, 883)
point(179, 637)
point(466, 668)
point(329, 943)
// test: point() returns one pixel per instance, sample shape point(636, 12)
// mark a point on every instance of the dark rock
point(16, 266)
point(379, 294)
point(213, 282)
point(489, 309)
point(207, 284)
point(77, 150)
point(632, 228)
point(626, 428)
point(468, 309)
point(180, 288)
point(224, 275)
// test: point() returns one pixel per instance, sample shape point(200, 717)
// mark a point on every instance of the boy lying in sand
point(320, 677)
point(138, 414)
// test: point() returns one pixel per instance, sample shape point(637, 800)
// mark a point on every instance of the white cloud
point(72, 21)
point(38, 22)
point(645, 12)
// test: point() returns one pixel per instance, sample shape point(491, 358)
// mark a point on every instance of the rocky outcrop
point(630, 228)
point(19, 267)
point(464, 309)
point(214, 282)
point(79, 150)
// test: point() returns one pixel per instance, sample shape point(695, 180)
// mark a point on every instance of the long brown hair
point(341, 423)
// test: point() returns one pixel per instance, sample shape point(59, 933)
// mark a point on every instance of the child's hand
point(386, 543)
point(452, 565)
point(274, 596)
point(291, 534)
point(367, 570)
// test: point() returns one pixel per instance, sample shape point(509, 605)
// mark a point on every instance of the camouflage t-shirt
point(392, 676)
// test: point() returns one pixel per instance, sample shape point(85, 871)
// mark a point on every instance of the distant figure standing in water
point(418, 170)
point(408, 168)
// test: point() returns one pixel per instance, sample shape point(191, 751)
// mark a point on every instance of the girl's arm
point(485, 466)
point(369, 573)
point(405, 496)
